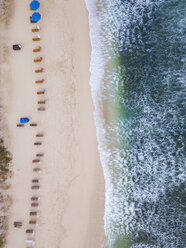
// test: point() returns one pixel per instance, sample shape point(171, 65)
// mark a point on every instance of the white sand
point(72, 187)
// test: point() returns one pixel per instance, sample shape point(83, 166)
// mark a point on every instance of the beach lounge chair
point(38, 60)
point(39, 70)
point(37, 49)
point(41, 109)
point(39, 155)
point(34, 204)
point(35, 198)
point(39, 81)
point(32, 222)
point(20, 125)
point(35, 161)
point(42, 92)
point(41, 102)
point(35, 180)
point(35, 187)
point(37, 143)
point(33, 124)
point(36, 169)
point(18, 224)
point(33, 213)
point(36, 38)
point(39, 135)
point(17, 47)
point(36, 29)
point(29, 230)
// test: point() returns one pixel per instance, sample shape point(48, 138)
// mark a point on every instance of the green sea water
point(138, 88)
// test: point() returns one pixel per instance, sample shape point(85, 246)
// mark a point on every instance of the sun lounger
point(36, 29)
point(33, 124)
point(17, 47)
point(36, 169)
point(37, 143)
point(37, 49)
point(32, 222)
point(29, 230)
point(38, 60)
point(41, 109)
point(41, 102)
point(39, 70)
point(37, 38)
point(18, 224)
point(41, 92)
point(35, 180)
point(20, 125)
point(33, 213)
point(35, 161)
point(35, 187)
point(35, 198)
point(39, 155)
point(34, 204)
point(39, 135)
point(39, 81)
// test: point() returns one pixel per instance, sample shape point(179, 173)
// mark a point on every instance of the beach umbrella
point(36, 16)
point(24, 120)
point(34, 5)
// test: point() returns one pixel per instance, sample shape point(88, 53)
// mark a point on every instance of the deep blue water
point(153, 55)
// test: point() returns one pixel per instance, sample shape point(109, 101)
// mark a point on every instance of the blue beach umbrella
point(34, 5)
point(24, 120)
point(36, 16)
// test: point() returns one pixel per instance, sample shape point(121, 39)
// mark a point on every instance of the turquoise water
point(138, 88)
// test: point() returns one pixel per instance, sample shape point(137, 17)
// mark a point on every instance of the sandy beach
point(71, 206)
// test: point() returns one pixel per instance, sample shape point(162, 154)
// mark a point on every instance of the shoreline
point(72, 202)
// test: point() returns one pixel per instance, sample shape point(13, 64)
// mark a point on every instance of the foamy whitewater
point(138, 89)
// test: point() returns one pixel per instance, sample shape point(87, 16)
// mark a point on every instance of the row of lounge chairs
point(40, 70)
point(31, 124)
point(33, 214)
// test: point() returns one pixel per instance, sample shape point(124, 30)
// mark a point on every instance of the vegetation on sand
point(5, 159)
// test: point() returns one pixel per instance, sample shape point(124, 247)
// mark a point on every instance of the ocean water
point(138, 82)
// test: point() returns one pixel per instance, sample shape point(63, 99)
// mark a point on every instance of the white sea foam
point(97, 66)
point(110, 156)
